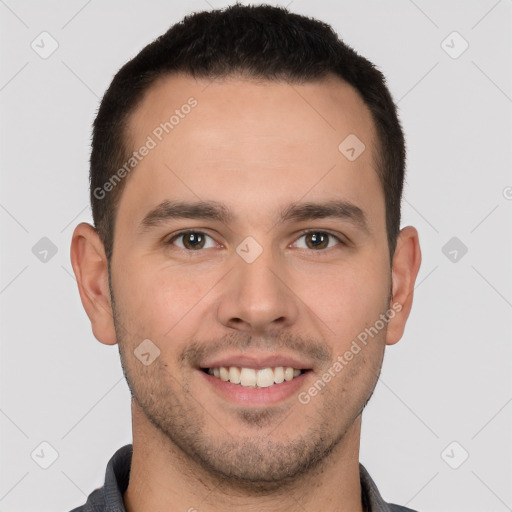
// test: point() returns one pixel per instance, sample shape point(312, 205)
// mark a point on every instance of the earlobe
point(91, 270)
point(405, 268)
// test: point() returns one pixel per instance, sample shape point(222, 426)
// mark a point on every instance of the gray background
point(448, 379)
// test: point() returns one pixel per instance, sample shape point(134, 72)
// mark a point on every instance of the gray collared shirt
point(109, 498)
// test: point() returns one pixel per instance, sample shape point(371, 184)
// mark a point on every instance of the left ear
point(405, 267)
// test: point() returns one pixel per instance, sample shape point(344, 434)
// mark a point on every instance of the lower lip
point(256, 396)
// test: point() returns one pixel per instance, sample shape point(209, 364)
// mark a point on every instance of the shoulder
point(95, 502)
point(110, 495)
point(399, 508)
point(371, 497)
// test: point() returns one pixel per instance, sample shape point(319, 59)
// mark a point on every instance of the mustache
point(314, 349)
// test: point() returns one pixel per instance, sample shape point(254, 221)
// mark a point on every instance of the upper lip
point(257, 361)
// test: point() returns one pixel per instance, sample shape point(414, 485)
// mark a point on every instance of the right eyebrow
point(209, 210)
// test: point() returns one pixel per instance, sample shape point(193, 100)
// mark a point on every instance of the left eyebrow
point(212, 210)
point(338, 209)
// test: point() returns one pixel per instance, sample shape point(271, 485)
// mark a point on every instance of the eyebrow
point(215, 211)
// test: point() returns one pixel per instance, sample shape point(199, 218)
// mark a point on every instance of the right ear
point(91, 270)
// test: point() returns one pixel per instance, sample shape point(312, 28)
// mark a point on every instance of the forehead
point(319, 110)
point(253, 144)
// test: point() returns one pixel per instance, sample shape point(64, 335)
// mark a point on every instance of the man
point(247, 258)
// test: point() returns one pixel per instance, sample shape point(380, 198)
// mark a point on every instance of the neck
point(162, 477)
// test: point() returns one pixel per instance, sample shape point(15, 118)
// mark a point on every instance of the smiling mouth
point(254, 378)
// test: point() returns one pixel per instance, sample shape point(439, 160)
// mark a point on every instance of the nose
point(257, 297)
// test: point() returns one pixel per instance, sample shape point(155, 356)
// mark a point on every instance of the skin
point(256, 147)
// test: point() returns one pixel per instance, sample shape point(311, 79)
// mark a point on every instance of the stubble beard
point(254, 463)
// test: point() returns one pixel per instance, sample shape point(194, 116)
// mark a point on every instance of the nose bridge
point(256, 296)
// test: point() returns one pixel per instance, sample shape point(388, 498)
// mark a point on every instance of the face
point(285, 267)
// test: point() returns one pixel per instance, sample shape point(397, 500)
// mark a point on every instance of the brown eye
point(191, 240)
point(318, 240)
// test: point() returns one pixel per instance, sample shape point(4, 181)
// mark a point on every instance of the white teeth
point(265, 378)
point(234, 375)
point(279, 375)
point(224, 373)
point(249, 377)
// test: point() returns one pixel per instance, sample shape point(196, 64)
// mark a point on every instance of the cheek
point(346, 298)
point(160, 302)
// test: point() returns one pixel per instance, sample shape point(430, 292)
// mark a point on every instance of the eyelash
point(303, 233)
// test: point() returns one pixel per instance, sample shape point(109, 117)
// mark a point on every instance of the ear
point(405, 267)
point(91, 270)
